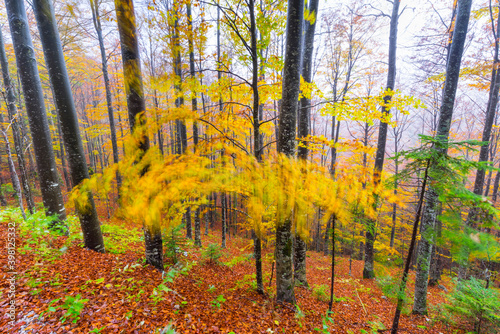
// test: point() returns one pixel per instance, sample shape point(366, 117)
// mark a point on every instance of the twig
point(272, 272)
point(363, 305)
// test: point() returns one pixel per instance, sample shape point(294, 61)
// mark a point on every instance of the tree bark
point(443, 130)
point(382, 138)
point(15, 180)
point(13, 117)
point(286, 143)
point(303, 131)
point(257, 138)
point(33, 95)
point(109, 99)
point(136, 110)
point(66, 110)
point(402, 285)
point(180, 125)
point(189, 227)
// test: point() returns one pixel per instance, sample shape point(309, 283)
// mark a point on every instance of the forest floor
point(117, 293)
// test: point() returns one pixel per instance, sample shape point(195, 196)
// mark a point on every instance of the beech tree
point(14, 119)
point(35, 106)
point(382, 136)
point(96, 19)
point(65, 106)
point(304, 115)
point(430, 212)
point(286, 143)
point(136, 110)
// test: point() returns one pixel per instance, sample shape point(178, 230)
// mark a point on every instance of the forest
point(249, 166)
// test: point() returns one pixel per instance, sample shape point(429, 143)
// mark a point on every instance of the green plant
point(470, 302)
point(213, 253)
point(117, 239)
point(98, 330)
point(236, 260)
point(321, 292)
point(73, 307)
point(326, 319)
point(169, 329)
point(217, 302)
point(173, 243)
point(390, 288)
point(211, 288)
point(299, 315)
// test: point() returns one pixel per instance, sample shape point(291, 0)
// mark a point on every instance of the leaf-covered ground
point(196, 296)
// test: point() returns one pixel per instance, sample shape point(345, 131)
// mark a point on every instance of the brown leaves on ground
point(207, 298)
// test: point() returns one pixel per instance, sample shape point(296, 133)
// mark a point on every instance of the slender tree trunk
point(495, 188)
point(257, 138)
point(33, 95)
point(109, 99)
point(206, 218)
point(223, 219)
point(402, 285)
point(286, 144)
point(63, 97)
point(332, 281)
point(489, 120)
point(446, 114)
point(303, 131)
point(136, 110)
point(382, 138)
point(327, 237)
point(69, 186)
point(15, 180)
point(197, 228)
point(180, 125)
point(194, 108)
point(189, 227)
point(3, 201)
point(14, 117)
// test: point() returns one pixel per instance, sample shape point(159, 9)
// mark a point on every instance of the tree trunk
point(257, 138)
point(223, 219)
point(15, 180)
point(61, 153)
point(382, 138)
point(327, 237)
point(495, 188)
point(13, 118)
point(286, 144)
point(33, 95)
point(489, 120)
point(109, 99)
point(66, 110)
point(189, 227)
point(136, 110)
point(180, 125)
point(402, 285)
point(443, 130)
point(303, 131)
point(332, 279)
point(197, 227)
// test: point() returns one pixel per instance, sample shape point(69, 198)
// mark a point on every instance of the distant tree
point(96, 19)
point(12, 168)
point(382, 136)
point(14, 119)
